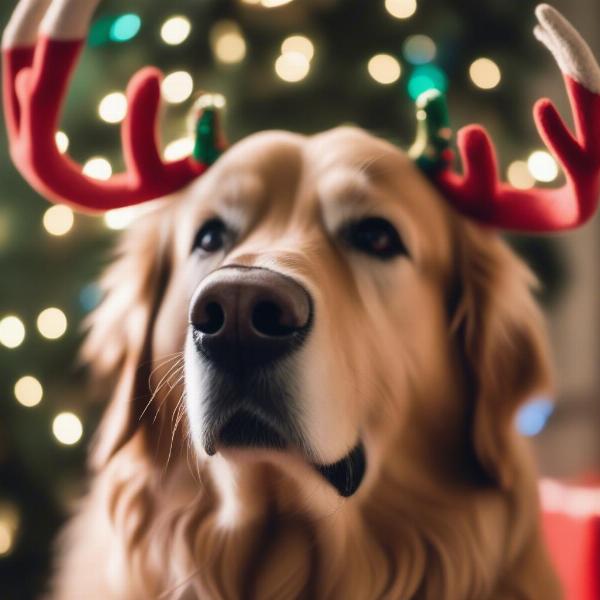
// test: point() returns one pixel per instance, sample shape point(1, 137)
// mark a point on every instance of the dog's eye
point(211, 236)
point(377, 237)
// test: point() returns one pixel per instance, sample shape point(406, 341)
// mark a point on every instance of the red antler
point(37, 71)
point(479, 194)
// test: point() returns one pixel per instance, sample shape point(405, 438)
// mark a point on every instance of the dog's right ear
point(118, 345)
point(501, 337)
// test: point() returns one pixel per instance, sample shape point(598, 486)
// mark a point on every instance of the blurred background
point(303, 65)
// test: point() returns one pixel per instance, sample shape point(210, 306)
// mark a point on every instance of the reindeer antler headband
point(43, 41)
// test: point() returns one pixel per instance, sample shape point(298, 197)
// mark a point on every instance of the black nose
point(247, 317)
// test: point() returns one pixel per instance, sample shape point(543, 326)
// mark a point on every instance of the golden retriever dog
point(314, 358)
point(317, 365)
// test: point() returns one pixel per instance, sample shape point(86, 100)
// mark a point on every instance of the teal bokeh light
point(125, 27)
point(426, 77)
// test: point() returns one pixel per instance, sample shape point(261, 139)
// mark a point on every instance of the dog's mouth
point(247, 430)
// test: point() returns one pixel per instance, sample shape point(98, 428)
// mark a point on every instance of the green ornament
point(431, 149)
point(206, 147)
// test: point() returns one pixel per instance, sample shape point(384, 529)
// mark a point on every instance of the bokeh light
point(401, 9)
point(518, 175)
point(179, 148)
point(62, 141)
point(485, 73)
point(67, 428)
point(533, 416)
point(58, 220)
point(177, 87)
point(175, 30)
point(298, 43)
point(384, 69)
point(419, 49)
point(113, 107)
point(28, 391)
point(6, 538)
point(125, 27)
point(426, 77)
point(227, 42)
point(52, 323)
point(97, 168)
point(292, 67)
point(12, 331)
point(274, 3)
point(542, 166)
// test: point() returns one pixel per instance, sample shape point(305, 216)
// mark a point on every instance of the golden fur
point(428, 358)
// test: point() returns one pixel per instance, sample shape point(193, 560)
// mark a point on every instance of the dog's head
point(335, 318)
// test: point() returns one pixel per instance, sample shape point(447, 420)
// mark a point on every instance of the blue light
point(90, 297)
point(125, 27)
point(533, 416)
point(426, 77)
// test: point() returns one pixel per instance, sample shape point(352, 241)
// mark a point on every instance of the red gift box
point(571, 522)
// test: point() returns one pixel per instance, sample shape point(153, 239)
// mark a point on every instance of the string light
point(97, 168)
point(28, 391)
point(298, 43)
point(12, 331)
point(292, 67)
point(62, 141)
point(519, 176)
point(485, 73)
point(58, 220)
point(178, 149)
point(542, 166)
point(426, 77)
point(177, 87)
point(274, 3)
point(227, 42)
point(401, 9)
point(113, 107)
point(175, 30)
point(67, 428)
point(419, 49)
point(125, 28)
point(52, 323)
point(384, 69)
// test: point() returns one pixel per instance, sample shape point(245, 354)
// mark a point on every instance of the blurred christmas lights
point(113, 107)
point(292, 67)
point(384, 69)
point(298, 43)
point(485, 73)
point(9, 525)
point(179, 148)
point(67, 428)
point(533, 416)
point(227, 42)
point(177, 87)
point(401, 9)
point(62, 141)
point(519, 176)
point(419, 49)
point(426, 77)
point(175, 30)
point(58, 220)
point(28, 391)
point(125, 27)
point(97, 168)
point(274, 3)
point(52, 323)
point(542, 166)
point(6, 538)
point(12, 331)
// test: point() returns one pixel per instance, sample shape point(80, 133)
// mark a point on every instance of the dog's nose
point(246, 317)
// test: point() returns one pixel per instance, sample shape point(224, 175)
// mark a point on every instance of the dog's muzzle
point(247, 323)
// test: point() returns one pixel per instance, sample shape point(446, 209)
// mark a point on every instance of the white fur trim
point(22, 28)
point(569, 49)
point(59, 19)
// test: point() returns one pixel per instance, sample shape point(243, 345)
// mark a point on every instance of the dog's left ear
point(502, 339)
